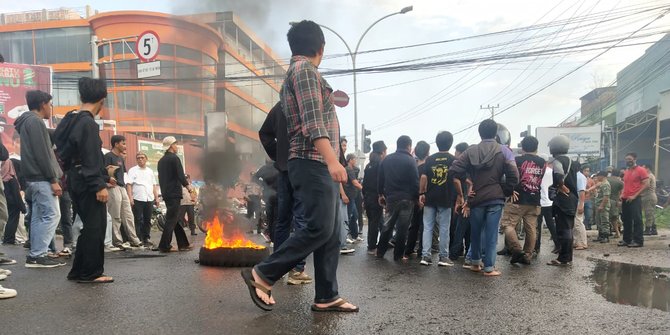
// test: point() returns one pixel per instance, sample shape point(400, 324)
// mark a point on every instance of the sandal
point(581, 248)
point(336, 307)
point(475, 268)
point(99, 280)
point(556, 262)
point(252, 285)
point(493, 273)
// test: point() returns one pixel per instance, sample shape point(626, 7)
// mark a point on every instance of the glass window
point(160, 109)
point(65, 92)
point(189, 54)
point(17, 47)
point(62, 45)
point(190, 112)
point(166, 49)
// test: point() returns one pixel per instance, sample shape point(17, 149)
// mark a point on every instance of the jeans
point(441, 216)
point(462, 232)
point(415, 232)
point(314, 187)
point(484, 221)
point(290, 213)
point(142, 211)
point(45, 214)
point(398, 216)
point(375, 214)
point(352, 215)
point(564, 231)
point(65, 203)
point(343, 222)
point(588, 213)
point(631, 214)
point(89, 256)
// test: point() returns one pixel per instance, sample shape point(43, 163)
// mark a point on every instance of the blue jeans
point(342, 221)
point(44, 218)
point(352, 214)
point(588, 213)
point(290, 212)
point(484, 221)
point(442, 216)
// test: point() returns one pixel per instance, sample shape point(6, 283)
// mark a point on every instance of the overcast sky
point(450, 98)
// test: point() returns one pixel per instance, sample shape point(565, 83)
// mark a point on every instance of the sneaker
point(372, 251)
point(42, 262)
point(426, 261)
point(635, 245)
point(445, 261)
point(359, 239)
point(148, 244)
point(3, 277)
point(65, 252)
point(6, 261)
point(350, 241)
point(6, 293)
point(126, 245)
point(346, 251)
point(297, 278)
point(5, 272)
point(467, 263)
point(112, 248)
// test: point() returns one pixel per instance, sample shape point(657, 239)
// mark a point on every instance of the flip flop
point(556, 262)
point(99, 280)
point(336, 307)
point(252, 285)
point(493, 273)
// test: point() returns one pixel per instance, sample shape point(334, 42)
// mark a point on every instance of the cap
point(168, 141)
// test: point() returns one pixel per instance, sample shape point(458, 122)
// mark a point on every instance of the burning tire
point(233, 257)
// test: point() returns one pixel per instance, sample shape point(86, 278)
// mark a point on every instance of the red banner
point(15, 81)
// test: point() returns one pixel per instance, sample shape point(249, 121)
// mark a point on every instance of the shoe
point(622, 244)
point(391, 244)
point(125, 245)
point(372, 251)
point(517, 257)
point(359, 239)
point(112, 249)
point(6, 261)
point(653, 231)
point(26, 245)
point(350, 241)
point(265, 235)
point(503, 252)
point(445, 261)
point(65, 252)
point(193, 233)
point(147, 244)
point(6, 293)
point(426, 261)
point(346, 251)
point(5, 272)
point(298, 278)
point(604, 240)
point(3, 277)
point(187, 248)
point(42, 262)
point(635, 245)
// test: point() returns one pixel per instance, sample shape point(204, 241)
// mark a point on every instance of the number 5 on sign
point(147, 46)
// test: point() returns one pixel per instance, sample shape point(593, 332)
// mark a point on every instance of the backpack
point(65, 149)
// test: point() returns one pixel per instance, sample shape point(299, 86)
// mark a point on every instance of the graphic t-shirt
point(531, 170)
point(112, 159)
point(439, 190)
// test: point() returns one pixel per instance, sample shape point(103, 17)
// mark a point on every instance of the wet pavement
point(156, 294)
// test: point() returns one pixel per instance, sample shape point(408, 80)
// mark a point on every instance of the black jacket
point(370, 183)
point(37, 154)
point(171, 176)
point(399, 177)
point(274, 137)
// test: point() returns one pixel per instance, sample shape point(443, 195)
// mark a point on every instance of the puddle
point(632, 285)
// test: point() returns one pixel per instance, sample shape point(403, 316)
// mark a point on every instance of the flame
point(216, 239)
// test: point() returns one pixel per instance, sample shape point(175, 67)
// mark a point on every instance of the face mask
point(630, 163)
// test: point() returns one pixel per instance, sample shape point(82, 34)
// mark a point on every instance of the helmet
point(559, 145)
point(503, 135)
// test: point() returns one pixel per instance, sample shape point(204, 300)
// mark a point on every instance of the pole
point(657, 144)
point(95, 72)
point(492, 109)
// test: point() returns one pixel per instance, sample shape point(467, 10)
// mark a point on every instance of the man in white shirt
point(546, 214)
point(143, 191)
point(580, 229)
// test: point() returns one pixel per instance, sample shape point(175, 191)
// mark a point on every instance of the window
point(65, 92)
point(189, 54)
point(17, 47)
point(62, 45)
point(160, 109)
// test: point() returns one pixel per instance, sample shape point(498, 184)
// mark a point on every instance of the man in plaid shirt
point(314, 172)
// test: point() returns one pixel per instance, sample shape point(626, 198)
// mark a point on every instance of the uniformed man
point(649, 201)
point(615, 202)
point(602, 203)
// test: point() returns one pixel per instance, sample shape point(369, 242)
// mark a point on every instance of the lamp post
point(353, 63)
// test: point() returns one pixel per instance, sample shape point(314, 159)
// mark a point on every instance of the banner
point(15, 81)
point(584, 141)
point(154, 152)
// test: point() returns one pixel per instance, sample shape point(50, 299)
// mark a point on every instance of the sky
point(421, 102)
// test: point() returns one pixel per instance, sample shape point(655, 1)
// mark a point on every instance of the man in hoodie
point(42, 173)
point(486, 163)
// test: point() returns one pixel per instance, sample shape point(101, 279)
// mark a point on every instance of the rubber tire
point(227, 257)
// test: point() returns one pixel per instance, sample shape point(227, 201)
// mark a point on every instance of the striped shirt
point(310, 113)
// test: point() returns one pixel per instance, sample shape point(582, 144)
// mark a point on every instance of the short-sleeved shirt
point(143, 181)
point(349, 189)
point(603, 190)
point(651, 190)
point(439, 189)
point(617, 186)
point(112, 159)
point(632, 181)
point(531, 171)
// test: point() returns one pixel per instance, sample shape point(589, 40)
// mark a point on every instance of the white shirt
point(143, 181)
point(547, 181)
point(581, 182)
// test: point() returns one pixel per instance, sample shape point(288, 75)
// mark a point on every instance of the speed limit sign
point(147, 46)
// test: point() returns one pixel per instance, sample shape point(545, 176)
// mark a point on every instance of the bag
point(65, 150)
point(553, 190)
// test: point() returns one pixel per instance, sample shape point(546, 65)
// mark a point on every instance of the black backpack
point(65, 149)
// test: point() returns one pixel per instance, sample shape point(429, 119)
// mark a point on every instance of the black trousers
point(415, 231)
point(171, 219)
point(375, 214)
point(187, 217)
point(399, 215)
point(15, 206)
point(66, 218)
point(564, 225)
point(142, 211)
point(631, 215)
point(317, 191)
point(89, 257)
point(254, 210)
point(547, 216)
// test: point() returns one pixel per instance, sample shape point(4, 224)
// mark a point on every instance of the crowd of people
point(60, 177)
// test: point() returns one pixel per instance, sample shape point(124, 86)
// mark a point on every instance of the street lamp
point(353, 63)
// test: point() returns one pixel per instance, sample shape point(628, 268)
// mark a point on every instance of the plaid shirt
point(310, 113)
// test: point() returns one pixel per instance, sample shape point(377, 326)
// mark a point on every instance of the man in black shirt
point(525, 202)
point(398, 191)
point(171, 178)
point(435, 195)
point(79, 146)
point(371, 195)
point(351, 189)
point(118, 205)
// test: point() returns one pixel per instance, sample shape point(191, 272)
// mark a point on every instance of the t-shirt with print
point(531, 170)
point(439, 189)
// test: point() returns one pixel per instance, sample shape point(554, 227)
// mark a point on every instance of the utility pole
point(491, 108)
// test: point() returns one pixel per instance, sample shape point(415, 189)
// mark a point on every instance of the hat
point(378, 147)
point(610, 168)
point(168, 141)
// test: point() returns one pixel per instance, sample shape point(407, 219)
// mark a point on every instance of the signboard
point(147, 70)
point(147, 46)
point(15, 81)
point(340, 99)
point(155, 152)
point(584, 141)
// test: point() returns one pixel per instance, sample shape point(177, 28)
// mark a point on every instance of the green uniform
point(649, 201)
point(617, 186)
point(603, 216)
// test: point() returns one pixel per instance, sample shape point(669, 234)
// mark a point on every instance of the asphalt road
point(174, 295)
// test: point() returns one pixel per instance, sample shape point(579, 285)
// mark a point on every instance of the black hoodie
point(38, 161)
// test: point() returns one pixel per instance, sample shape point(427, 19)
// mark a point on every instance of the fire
point(216, 239)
